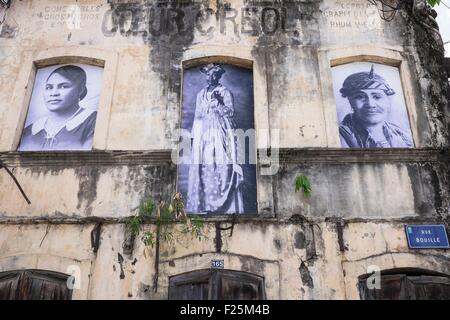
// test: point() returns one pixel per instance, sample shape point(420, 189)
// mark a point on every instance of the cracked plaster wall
point(299, 258)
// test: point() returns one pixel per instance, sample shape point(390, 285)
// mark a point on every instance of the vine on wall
point(171, 219)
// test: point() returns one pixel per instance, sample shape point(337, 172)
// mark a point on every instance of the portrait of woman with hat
point(214, 174)
point(369, 125)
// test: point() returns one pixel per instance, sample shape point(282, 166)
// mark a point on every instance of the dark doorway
point(216, 285)
point(34, 285)
point(407, 284)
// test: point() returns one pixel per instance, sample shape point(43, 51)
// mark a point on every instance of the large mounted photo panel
point(217, 175)
point(371, 106)
point(63, 108)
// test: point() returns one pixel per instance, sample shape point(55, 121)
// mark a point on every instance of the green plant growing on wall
point(170, 220)
point(433, 3)
point(135, 223)
point(302, 183)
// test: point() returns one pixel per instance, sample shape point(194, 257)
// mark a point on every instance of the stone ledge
point(343, 156)
point(242, 219)
point(163, 157)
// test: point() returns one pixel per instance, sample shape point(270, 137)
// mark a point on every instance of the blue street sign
point(426, 236)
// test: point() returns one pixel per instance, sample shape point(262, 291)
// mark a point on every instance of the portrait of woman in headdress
point(214, 175)
point(65, 124)
point(378, 117)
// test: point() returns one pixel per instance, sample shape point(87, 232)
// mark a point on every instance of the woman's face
point(60, 93)
point(212, 77)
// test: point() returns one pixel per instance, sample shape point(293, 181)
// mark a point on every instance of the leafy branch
point(170, 220)
point(302, 183)
point(433, 3)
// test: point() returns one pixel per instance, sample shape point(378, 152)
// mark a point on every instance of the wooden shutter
point(240, 286)
point(429, 287)
point(190, 291)
point(191, 286)
point(44, 285)
point(393, 287)
point(34, 285)
point(216, 285)
point(407, 287)
point(9, 283)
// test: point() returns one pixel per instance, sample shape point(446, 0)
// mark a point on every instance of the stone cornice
point(238, 219)
point(163, 157)
point(343, 156)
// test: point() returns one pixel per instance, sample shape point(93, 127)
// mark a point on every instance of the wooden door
point(240, 286)
point(216, 285)
point(408, 287)
point(34, 285)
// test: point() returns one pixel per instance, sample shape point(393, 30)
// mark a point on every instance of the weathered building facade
point(293, 247)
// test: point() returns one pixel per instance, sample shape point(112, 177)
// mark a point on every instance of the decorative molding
point(238, 219)
point(163, 157)
point(343, 156)
point(89, 158)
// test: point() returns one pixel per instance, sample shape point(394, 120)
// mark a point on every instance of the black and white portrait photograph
point(217, 101)
point(371, 106)
point(63, 108)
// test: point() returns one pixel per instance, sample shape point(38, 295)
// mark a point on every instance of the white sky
point(443, 19)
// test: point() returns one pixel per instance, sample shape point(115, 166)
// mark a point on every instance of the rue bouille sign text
point(426, 236)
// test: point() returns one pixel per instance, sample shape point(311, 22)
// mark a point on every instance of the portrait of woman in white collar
point(66, 124)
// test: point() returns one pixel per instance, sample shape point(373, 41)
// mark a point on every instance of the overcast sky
point(444, 23)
